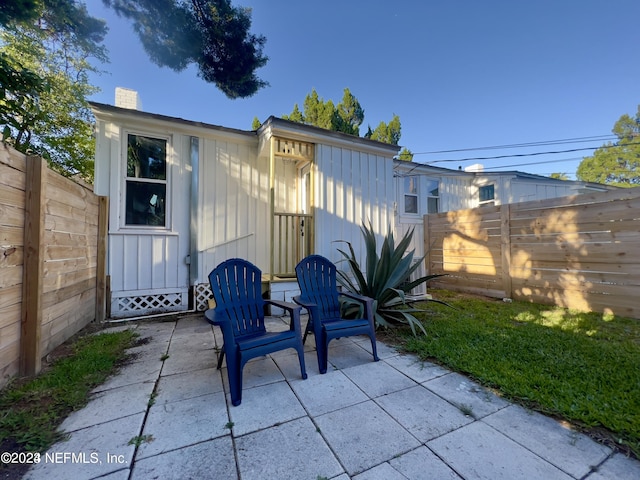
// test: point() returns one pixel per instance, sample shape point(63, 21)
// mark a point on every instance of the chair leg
point(234, 373)
point(303, 368)
point(306, 331)
point(322, 350)
point(220, 358)
point(374, 348)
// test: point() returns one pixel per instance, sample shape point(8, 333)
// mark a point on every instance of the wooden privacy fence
point(52, 260)
point(580, 252)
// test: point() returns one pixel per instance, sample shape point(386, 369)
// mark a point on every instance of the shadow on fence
point(579, 252)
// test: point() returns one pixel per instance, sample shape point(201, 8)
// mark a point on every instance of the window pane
point(146, 203)
point(410, 204)
point(411, 185)
point(432, 205)
point(486, 193)
point(147, 158)
point(432, 188)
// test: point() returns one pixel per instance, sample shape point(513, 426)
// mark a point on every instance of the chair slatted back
point(317, 280)
point(237, 289)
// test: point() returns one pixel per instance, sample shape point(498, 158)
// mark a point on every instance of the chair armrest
point(210, 315)
point(290, 307)
point(293, 309)
point(306, 304)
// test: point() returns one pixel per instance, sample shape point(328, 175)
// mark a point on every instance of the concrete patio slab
point(467, 394)
point(136, 372)
point(287, 362)
point(377, 379)
point(110, 405)
point(149, 351)
point(565, 448)
point(477, 451)
point(345, 353)
point(364, 435)
point(211, 459)
point(182, 360)
point(380, 472)
point(174, 425)
point(416, 369)
point(617, 467)
point(299, 453)
point(326, 393)
point(97, 450)
point(398, 418)
point(423, 413)
point(181, 386)
point(384, 351)
point(263, 407)
point(421, 463)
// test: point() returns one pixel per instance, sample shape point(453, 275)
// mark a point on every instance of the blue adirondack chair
point(320, 296)
point(239, 312)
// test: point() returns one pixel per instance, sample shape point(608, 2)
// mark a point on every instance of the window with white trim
point(411, 194)
point(433, 196)
point(146, 181)
point(486, 195)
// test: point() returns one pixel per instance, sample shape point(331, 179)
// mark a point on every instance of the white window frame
point(429, 196)
point(490, 201)
point(125, 179)
point(416, 194)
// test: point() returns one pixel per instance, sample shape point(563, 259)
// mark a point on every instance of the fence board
point(61, 269)
point(580, 251)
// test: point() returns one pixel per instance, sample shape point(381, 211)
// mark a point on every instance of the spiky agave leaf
point(386, 280)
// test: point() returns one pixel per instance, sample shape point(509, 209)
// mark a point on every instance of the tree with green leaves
point(616, 163)
point(45, 64)
point(559, 176)
point(386, 132)
point(345, 117)
point(406, 155)
point(211, 34)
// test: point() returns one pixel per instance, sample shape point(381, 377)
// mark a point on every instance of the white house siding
point(148, 265)
point(351, 187)
point(234, 214)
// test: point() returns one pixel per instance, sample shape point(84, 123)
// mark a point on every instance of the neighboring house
point(184, 196)
point(424, 189)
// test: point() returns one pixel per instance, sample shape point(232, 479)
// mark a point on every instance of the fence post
point(101, 267)
point(505, 247)
point(31, 325)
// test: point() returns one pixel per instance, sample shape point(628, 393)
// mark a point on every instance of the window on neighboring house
point(411, 195)
point(146, 181)
point(433, 196)
point(486, 194)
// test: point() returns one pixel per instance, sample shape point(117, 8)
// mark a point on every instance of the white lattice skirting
point(129, 304)
point(202, 294)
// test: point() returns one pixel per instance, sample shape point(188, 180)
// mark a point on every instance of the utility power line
point(495, 157)
point(593, 138)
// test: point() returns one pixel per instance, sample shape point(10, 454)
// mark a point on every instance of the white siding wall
point(145, 262)
point(234, 214)
point(350, 187)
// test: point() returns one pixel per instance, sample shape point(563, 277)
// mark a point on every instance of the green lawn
point(32, 409)
point(582, 367)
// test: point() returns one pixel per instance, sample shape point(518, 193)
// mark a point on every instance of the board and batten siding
point(234, 213)
point(351, 187)
point(147, 265)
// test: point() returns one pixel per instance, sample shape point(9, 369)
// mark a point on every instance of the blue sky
point(460, 74)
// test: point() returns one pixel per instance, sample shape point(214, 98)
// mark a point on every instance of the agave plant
point(386, 279)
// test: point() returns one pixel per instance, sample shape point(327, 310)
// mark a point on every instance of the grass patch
point(32, 409)
point(581, 367)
